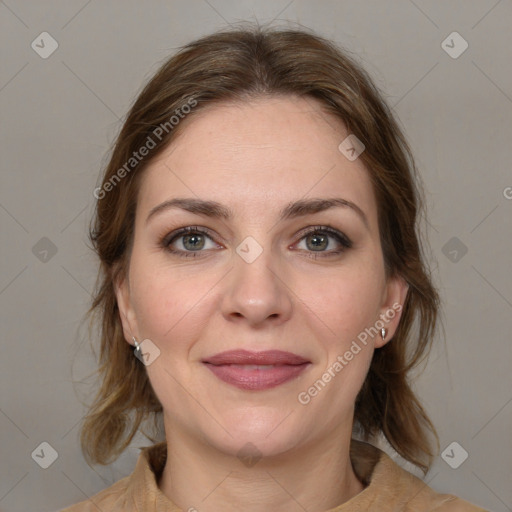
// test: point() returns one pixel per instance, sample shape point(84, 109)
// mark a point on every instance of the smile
point(256, 371)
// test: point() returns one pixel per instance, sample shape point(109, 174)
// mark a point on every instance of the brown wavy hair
point(238, 65)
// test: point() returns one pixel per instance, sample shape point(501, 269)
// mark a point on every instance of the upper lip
point(267, 357)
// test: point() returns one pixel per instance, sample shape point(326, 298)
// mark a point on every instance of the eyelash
point(343, 240)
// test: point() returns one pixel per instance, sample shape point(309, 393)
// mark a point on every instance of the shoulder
point(136, 492)
point(390, 487)
point(454, 504)
point(111, 499)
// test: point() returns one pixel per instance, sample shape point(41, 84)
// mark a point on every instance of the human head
point(239, 66)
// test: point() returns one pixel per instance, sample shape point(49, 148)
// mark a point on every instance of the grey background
point(59, 117)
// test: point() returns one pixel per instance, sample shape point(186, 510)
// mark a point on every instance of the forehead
point(257, 156)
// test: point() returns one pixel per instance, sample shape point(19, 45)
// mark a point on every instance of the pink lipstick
point(256, 370)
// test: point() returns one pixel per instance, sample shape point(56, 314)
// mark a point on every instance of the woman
point(256, 227)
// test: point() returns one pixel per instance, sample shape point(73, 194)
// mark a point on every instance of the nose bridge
point(255, 290)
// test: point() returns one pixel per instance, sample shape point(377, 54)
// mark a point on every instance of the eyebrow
point(292, 210)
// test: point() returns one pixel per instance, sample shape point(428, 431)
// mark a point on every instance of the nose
point(257, 292)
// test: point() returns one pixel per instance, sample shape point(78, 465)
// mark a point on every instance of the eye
point(192, 240)
point(317, 240)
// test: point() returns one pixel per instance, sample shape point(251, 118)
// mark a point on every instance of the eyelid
point(177, 233)
point(325, 228)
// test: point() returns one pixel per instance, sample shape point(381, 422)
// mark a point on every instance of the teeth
point(253, 366)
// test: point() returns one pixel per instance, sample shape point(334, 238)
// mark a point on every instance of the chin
point(265, 434)
point(249, 448)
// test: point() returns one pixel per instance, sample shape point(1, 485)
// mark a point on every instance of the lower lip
point(256, 379)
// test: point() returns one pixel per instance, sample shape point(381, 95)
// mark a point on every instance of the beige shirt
point(388, 488)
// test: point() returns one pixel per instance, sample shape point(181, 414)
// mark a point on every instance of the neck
point(314, 478)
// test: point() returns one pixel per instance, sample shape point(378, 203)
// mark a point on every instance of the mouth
point(256, 370)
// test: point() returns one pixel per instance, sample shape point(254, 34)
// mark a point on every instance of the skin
point(255, 158)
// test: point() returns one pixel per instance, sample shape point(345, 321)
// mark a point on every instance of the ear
point(126, 311)
point(394, 296)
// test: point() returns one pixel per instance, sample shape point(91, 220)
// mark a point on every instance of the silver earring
point(383, 332)
point(137, 345)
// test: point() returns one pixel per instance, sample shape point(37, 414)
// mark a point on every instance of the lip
point(276, 357)
point(237, 367)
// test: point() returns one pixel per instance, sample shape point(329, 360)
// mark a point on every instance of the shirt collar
point(384, 480)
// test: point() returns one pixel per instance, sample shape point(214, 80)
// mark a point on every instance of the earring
point(383, 332)
point(137, 345)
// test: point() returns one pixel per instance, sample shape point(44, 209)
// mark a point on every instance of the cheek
point(349, 304)
point(163, 312)
point(158, 301)
point(170, 308)
point(346, 301)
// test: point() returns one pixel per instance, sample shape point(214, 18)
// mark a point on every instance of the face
point(269, 277)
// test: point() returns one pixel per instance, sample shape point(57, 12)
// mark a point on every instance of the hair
point(239, 65)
